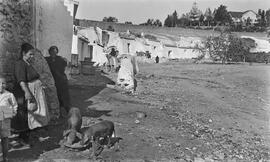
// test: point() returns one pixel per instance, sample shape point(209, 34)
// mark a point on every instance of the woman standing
point(57, 66)
point(32, 106)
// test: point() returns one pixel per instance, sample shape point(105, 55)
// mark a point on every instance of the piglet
point(74, 123)
point(102, 130)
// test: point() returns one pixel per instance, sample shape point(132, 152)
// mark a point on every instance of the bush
point(150, 37)
point(260, 57)
point(226, 48)
point(250, 28)
point(110, 28)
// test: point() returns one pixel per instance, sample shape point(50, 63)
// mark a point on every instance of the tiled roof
point(236, 14)
point(239, 14)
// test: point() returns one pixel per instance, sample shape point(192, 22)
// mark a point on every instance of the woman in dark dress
point(32, 106)
point(57, 66)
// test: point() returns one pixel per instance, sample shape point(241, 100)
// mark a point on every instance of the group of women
point(29, 92)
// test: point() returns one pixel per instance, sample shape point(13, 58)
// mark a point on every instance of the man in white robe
point(126, 75)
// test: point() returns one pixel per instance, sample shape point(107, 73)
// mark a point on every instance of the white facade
point(54, 26)
point(251, 15)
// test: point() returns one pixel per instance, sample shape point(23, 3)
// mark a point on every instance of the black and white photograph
point(135, 80)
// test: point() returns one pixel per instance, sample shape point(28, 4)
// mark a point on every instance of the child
point(8, 109)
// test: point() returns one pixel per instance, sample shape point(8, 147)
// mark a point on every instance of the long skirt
point(39, 117)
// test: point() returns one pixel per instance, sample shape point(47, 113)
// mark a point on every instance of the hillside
point(171, 33)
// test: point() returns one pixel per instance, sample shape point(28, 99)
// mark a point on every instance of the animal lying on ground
point(128, 69)
point(99, 131)
point(74, 123)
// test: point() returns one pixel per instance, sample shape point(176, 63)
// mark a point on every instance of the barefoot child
point(8, 109)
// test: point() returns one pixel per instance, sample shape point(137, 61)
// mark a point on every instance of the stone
point(41, 66)
point(15, 27)
point(209, 160)
point(177, 144)
point(140, 115)
point(137, 121)
point(198, 160)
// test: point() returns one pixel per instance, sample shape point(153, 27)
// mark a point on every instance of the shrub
point(110, 28)
point(150, 37)
point(226, 48)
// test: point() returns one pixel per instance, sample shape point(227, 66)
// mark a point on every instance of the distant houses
point(245, 18)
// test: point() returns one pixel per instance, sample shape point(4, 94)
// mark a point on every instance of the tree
point(208, 16)
point(259, 12)
point(225, 48)
point(110, 28)
point(263, 18)
point(174, 19)
point(128, 22)
point(157, 22)
point(201, 20)
point(168, 21)
point(222, 16)
point(110, 19)
point(248, 21)
point(194, 13)
point(150, 22)
point(267, 17)
point(183, 21)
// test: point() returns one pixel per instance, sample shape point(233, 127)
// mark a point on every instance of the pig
point(93, 134)
point(74, 123)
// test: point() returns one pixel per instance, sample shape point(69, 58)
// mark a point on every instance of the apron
point(39, 117)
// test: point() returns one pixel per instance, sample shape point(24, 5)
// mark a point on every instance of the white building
point(242, 17)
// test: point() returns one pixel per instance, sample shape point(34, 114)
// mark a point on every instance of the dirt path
point(214, 112)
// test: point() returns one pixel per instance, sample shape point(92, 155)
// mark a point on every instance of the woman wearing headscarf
point(32, 106)
point(57, 66)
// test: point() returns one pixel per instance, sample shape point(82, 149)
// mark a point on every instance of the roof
point(239, 14)
point(127, 36)
point(236, 14)
point(250, 11)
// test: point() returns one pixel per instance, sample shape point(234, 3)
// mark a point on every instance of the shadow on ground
point(47, 139)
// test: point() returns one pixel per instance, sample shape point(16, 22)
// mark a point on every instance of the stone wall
point(16, 26)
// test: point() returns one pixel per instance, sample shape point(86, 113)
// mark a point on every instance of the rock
point(168, 100)
point(162, 108)
point(177, 144)
point(210, 120)
point(232, 160)
point(188, 158)
point(140, 115)
point(110, 86)
point(41, 66)
point(209, 160)
point(149, 76)
point(220, 156)
point(198, 160)
point(42, 139)
point(137, 121)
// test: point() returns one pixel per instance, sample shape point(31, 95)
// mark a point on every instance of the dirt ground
point(194, 112)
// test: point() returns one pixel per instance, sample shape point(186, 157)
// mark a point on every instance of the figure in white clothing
point(126, 75)
point(8, 109)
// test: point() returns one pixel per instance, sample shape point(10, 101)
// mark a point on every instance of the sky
point(138, 11)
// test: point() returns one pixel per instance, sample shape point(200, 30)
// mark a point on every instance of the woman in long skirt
point(32, 107)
